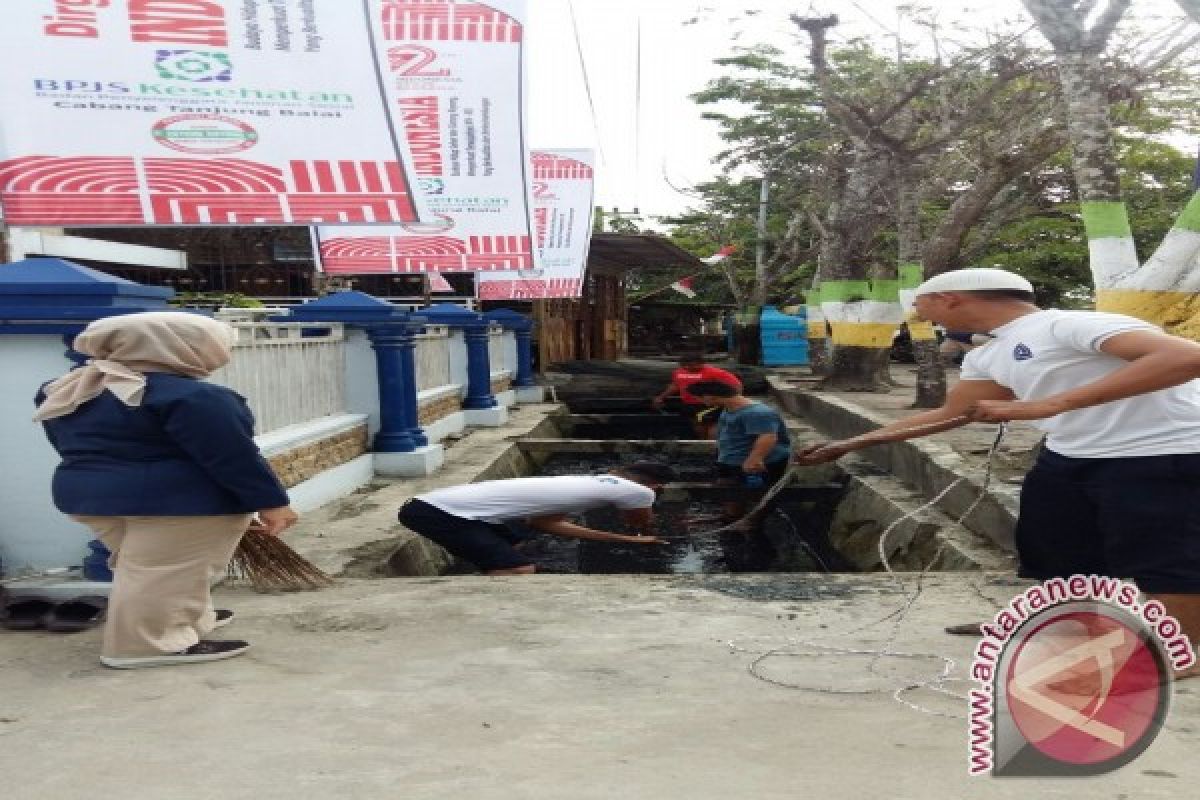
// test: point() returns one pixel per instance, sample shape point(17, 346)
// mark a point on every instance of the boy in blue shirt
point(753, 446)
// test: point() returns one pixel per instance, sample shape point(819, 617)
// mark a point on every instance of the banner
point(562, 214)
point(455, 88)
point(247, 112)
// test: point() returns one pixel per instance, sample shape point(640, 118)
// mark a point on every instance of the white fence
point(285, 377)
point(502, 351)
point(433, 358)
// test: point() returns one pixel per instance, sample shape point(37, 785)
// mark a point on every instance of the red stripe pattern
point(98, 190)
point(530, 289)
point(447, 20)
point(417, 254)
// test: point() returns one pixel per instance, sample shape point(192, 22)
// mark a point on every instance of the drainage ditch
point(829, 520)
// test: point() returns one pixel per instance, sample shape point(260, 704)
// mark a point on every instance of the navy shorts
point(487, 545)
point(1134, 518)
point(731, 475)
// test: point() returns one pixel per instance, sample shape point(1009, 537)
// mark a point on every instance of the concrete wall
point(33, 534)
point(927, 466)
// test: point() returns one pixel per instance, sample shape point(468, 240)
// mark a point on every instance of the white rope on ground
point(821, 649)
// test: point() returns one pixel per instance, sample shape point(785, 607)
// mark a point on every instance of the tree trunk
point(931, 375)
point(858, 369)
point(862, 314)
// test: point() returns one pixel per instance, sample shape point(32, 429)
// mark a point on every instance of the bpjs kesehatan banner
point(562, 216)
point(455, 88)
point(238, 112)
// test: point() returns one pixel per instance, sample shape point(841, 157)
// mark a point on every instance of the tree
point(1163, 290)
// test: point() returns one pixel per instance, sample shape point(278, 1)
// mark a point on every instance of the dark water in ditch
point(790, 539)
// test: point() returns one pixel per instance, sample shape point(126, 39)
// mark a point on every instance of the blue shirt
point(738, 430)
point(187, 450)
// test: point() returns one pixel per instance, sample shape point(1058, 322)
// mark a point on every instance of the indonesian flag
point(722, 254)
point(684, 286)
point(439, 284)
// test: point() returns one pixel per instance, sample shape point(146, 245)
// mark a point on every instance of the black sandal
point(26, 613)
point(76, 615)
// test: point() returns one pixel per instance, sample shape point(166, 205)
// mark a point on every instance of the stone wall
point(309, 460)
point(438, 409)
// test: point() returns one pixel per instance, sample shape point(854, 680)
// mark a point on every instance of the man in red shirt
point(692, 370)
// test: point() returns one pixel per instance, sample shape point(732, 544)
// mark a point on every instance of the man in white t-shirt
point(469, 520)
point(1116, 489)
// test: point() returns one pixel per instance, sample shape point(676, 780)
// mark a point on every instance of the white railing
point(433, 358)
point(501, 356)
point(285, 377)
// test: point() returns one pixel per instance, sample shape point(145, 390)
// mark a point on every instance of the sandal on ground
point(76, 615)
point(25, 613)
point(199, 653)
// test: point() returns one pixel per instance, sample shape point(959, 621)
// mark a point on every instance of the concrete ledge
point(530, 394)
point(506, 399)
point(332, 484)
point(294, 436)
point(449, 425)
point(486, 417)
point(417, 464)
point(924, 464)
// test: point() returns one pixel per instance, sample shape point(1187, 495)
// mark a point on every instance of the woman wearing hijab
point(164, 468)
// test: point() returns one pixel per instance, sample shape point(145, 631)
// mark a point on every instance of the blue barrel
point(784, 338)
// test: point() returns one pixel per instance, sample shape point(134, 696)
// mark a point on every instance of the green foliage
point(215, 300)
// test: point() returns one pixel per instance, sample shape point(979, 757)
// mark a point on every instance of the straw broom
point(271, 566)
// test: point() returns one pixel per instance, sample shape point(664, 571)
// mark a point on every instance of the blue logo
point(1022, 353)
point(194, 66)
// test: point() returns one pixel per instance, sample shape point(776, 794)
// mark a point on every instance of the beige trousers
point(163, 568)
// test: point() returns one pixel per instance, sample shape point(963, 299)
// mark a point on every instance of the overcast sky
point(679, 40)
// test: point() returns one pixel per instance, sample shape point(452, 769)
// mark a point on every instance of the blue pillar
point(392, 333)
point(394, 435)
point(479, 367)
point(522, 328)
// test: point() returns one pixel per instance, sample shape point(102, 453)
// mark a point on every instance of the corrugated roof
point(626, 251)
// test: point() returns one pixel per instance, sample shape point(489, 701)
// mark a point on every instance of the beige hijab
point(124, 348)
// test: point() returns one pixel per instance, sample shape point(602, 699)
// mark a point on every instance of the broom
point(271, 566)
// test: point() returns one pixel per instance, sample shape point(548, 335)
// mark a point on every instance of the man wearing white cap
point(1116, 489)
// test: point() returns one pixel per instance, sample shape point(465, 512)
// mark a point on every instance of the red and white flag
point(439, 284)
point(684, 286)
point(722, 254)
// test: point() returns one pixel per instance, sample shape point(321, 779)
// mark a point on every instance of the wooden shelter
point(594, 327)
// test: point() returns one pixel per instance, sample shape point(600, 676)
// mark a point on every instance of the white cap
point(975, 279)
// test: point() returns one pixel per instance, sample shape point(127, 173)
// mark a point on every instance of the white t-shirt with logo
point(1050, 352)
point(516, 498)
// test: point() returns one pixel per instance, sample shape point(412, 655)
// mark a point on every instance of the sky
point(646, 159)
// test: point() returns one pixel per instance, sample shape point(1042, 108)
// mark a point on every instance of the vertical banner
point(454, 82)
point(562, 214)
point(200, 112)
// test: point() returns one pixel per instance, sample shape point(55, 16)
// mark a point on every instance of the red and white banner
point(439, 284)
point(247, 112)
point(563, 183)
point(455, 89)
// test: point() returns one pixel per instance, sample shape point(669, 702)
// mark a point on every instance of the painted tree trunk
point(1166, 290)
point(863, 316)
point(931, 373)
point(818, 336)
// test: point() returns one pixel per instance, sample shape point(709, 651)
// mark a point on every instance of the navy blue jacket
point(187, 450)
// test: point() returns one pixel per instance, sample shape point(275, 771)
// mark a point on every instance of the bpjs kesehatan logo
point(1075, 679)
point(194, 66)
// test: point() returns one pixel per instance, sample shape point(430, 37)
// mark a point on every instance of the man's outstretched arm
point(953, 414)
